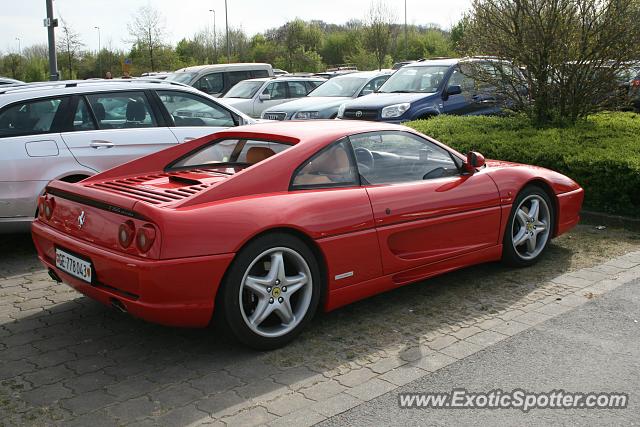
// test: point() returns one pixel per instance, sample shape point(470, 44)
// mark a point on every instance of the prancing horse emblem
point(81, 219)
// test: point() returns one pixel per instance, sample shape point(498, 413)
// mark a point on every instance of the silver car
point(71, 130)
point(323, 103)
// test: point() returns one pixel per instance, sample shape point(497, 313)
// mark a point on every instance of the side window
point(192, 110)
point(297, 89)
point(373, 85)
point(255, 74)
point(210, 83)
point(311, 85)
point(82, 120)
point(331, 167)
point(28, 118)
point(462, 79)
point(237, 76)
point(395, 157)
point(120, 110)
point(277, 90)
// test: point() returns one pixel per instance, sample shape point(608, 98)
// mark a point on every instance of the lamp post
point(51, 23)
point(19, 46)
point(226, 19)
point(406, 38)
point(99, 49)
point(215, 46)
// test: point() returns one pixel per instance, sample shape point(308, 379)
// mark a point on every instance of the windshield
point(339, 86)
point(245, 89)
point(180, 77)
point(231, 151)
point(415, 79)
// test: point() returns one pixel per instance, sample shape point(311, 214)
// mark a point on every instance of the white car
point(254, 96)
point(74, 129)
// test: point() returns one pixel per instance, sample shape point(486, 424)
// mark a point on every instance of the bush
point(601, 153)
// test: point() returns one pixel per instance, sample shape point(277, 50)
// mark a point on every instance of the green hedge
point(602, 153)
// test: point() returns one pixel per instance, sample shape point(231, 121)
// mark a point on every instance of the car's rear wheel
point(271, 291)
point(529, 228)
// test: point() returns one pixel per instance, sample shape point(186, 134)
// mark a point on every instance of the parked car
point(8, 81)
point(323, 102)
point(72, 130)
point(427, 88)
point(216, 80)
point(253, 96)
point(279, 72)
point(272, 222)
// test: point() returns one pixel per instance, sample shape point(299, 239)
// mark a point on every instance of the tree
point(378, 30)
point(571, 50)
point(69, 43)
point(148, 31)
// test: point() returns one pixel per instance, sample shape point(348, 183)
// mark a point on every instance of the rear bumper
point(569, 205)
point(177, 292)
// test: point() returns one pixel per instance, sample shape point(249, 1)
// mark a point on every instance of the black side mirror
point(454, 90)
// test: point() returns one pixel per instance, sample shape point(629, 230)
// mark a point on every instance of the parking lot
point(68, 360)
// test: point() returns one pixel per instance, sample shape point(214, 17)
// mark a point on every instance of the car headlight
point(341, 110)
point(306, 115)
point(395, 110)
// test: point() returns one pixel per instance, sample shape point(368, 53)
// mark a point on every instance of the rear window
point(28, 118)
point(229, 152)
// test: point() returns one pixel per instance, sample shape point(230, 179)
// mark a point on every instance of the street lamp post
point(51, 23)
point(226, 19)
point(406, 38)
point(99, 49)
point(19, 46)
point(215, 45)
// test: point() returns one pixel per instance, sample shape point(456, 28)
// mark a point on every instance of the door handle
point(98, 144)
point(188, 138)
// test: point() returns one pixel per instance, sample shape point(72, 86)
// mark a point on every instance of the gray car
point(323, 103)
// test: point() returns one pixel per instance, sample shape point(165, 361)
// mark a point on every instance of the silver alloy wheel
point(530, 227)
point(276, 291)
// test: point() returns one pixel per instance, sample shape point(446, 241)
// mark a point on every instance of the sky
point(23, 19)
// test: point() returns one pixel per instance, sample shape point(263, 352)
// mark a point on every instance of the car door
point(192, 116)
point(111, 128)
point(212, 84)
point(277, 92)
point(464, 102)
point(424, 209)
point(33, 153)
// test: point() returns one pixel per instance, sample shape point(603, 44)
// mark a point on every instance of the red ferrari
point(267, 223)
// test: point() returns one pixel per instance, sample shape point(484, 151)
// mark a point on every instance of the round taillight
point(126, 232)
point(145, 237)
point(49, 204)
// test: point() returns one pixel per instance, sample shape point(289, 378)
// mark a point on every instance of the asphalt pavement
point(593, 348)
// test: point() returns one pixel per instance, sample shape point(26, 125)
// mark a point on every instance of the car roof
point(365, 74)
point(286, 78)
point(310, 130)
point(198, 68)
point(68, 87)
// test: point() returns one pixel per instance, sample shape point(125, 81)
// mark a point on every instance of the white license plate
point(73, 265)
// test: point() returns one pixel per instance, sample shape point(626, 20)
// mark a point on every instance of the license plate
point(73, 265)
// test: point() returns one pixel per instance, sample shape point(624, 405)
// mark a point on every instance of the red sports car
point(262, 225)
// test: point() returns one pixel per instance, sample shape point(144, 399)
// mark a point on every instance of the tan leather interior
point(258, 154)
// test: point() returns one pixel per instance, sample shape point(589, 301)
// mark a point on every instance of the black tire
point(229, 314)
point(510, 255)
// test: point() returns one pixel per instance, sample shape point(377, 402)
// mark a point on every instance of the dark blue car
point(429, 88)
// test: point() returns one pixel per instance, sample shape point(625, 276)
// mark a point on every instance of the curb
point(599, 218)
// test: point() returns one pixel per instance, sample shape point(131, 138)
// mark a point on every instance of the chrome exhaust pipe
point(118, 305)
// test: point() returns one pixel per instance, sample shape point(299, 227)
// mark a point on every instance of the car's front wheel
point(529, 228)
point(270, 292)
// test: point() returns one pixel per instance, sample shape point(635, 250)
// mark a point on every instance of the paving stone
point(251, 417)
point(49, 375)
point(222, 404)
point(14, 368)
point(355, 377)
point(403, 375)
point(434, 361)
point(490, 323)
point(133, 409)
point(175, 395)
point(466, 332)
point(371, 389)
point(287, 403)
point(86, 402)
point(461, 349)
point(511, 327)
point(442, 342)
point(131, 387)
point(336, 404)
point(554, 309)
point(89, 382)
point(47, 395)
point(216, 382)
point(486, 338)
point(386, 364)
point(323, 390)
point(187, 415)
point(261, 390)
point(532, 318)
point(301, 418)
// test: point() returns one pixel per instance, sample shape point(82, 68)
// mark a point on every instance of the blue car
point(425, 89)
